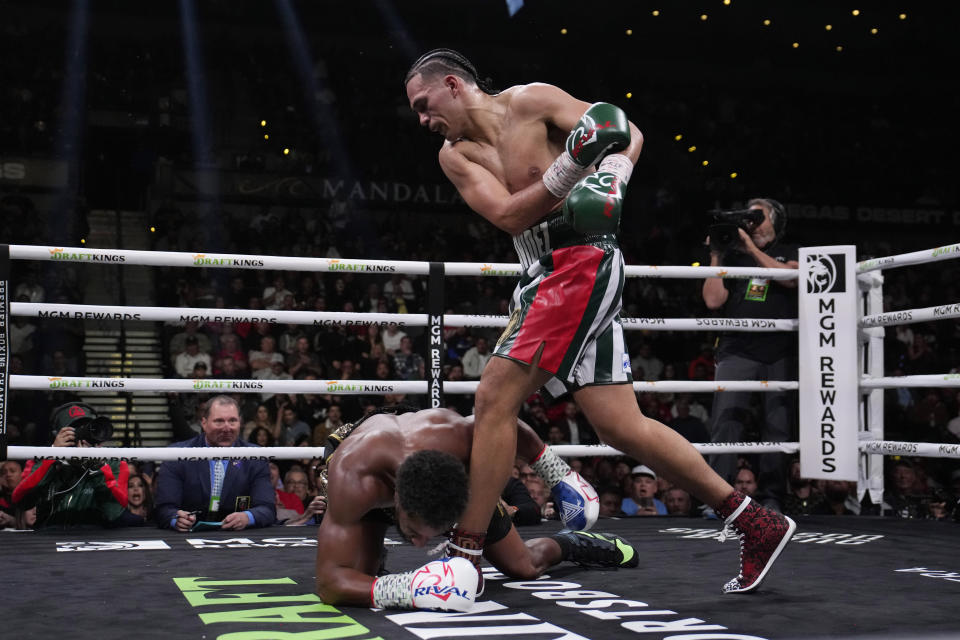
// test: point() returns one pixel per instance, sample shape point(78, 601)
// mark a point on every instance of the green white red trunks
point(568, 299)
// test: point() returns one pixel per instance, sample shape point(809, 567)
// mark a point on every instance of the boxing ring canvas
point(842, 577)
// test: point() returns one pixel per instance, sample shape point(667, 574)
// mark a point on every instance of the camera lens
point(93, 431)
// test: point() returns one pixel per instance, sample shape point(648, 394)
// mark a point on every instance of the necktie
point(218, 474)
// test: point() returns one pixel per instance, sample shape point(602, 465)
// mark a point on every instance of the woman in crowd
point(260, 419)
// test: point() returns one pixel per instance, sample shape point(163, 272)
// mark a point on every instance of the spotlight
point(691, 149)
point(678, 137)
point(263, 123)
point(855, 12)
point(733, 175)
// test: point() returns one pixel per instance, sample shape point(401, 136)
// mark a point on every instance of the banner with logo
point(435, 349)
point(4, 343)
point(829, 375)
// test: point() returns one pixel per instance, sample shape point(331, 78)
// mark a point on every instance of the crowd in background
point(665, 224)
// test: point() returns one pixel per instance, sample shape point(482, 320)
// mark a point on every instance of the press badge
point(757, 289)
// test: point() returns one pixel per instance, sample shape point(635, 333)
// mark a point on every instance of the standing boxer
point(408, 469)
point(551, 171)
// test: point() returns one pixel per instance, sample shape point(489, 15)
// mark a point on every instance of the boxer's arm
point(347, 558)
point(348, 545)
point(567, 111)
point(482, 190)
point(486, 195)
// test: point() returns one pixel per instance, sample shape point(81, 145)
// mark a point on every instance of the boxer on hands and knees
point(409, 469)
point(552, 171)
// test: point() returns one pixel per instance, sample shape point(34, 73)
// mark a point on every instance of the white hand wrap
point(550, 467)
point(619, 165)
point(449, 584)
point(575, 499)
point(563, 174)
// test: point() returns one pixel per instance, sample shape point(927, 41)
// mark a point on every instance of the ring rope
point(351, 387)
point(165, 454)
point(923, 380)
point(910, 316)
point(383, 267)
point(946, 252)
point(297, 453)
point(375, 387)
point(184, 314)
point(884, 447)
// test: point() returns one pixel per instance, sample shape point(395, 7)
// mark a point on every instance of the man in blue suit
point(236, 493)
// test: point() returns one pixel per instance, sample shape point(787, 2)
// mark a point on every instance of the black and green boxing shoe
point(590, 549)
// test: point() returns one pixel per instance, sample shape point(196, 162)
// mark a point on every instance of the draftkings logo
point(827, 273)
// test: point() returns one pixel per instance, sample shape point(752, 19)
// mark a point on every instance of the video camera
point(87, 425)
point(724, 224)
point(94, 431)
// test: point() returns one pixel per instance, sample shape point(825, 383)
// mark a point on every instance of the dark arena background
point(282, 128)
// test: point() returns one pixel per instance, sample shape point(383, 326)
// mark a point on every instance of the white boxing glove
point(576, 500)
point(448, 584)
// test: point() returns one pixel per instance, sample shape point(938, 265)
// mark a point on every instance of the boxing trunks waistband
point(553, 233)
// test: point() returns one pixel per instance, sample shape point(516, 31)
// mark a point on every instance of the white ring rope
point(297, 453)
point(324, 318)
point(695, 273)
point(333, 265)
point(164, 454)
point(941, 380)
point(711, 324)
point(946, 252)
point(910, 316)
point(349, 387)
point(920, 449)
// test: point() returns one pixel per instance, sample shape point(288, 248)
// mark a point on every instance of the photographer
point(83, 491)
point(752, 238)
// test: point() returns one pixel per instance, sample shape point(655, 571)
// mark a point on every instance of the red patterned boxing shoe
point(763, 534)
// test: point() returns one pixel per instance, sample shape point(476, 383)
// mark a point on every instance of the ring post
point(435, 350)
point(829, 376)
point(4, 343)
point(871, 469)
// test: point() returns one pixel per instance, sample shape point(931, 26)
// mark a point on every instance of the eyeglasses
point(528, 475)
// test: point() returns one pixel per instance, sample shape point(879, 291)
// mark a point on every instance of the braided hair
point(448, 61)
